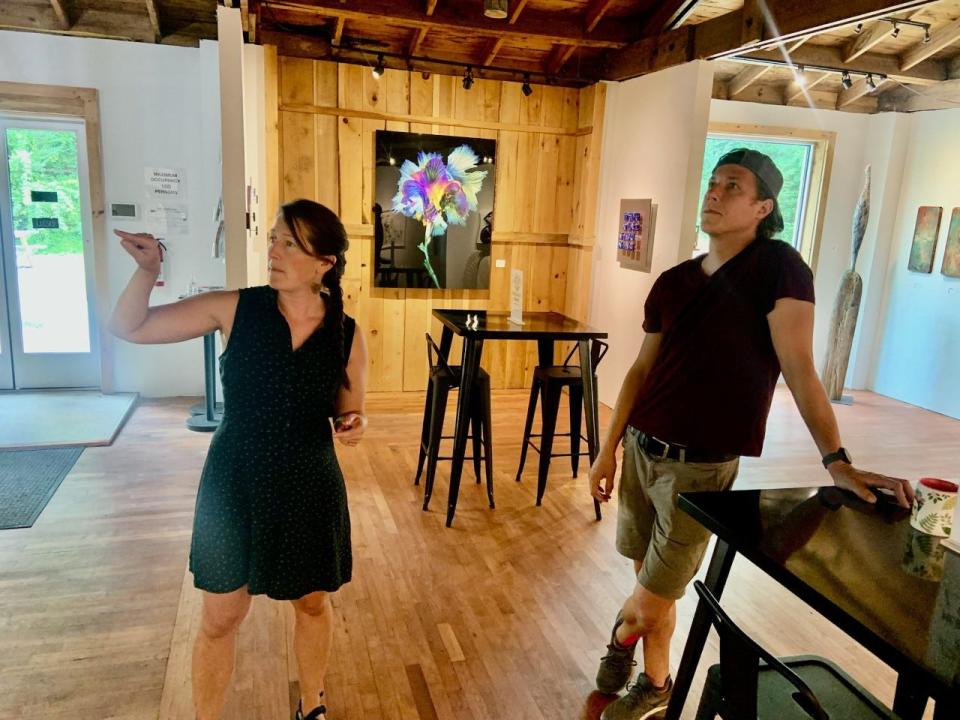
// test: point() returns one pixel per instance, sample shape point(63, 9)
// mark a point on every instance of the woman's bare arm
point(351, 420)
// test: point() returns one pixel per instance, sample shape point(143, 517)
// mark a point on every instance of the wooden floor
point(504, 616)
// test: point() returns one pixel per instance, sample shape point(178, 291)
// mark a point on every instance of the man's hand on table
point(859, 482)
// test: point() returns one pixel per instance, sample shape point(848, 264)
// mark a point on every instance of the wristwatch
point(840, 454)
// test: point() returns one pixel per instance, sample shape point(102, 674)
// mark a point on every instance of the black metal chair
point(750, 683)
point(443, 379)
point(548, 384)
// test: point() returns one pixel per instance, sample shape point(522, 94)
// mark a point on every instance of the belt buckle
point(666, 448)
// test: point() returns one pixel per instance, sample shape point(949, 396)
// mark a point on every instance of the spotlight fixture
point(525, 88)
point(496, 9)
point(799, 77)
point(468, 78)
point(871, 83)
point(846, 81)
point(379, 67)
point(896, 31)
point(926, 35)
point(859, 28)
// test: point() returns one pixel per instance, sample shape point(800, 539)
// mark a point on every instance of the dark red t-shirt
point(711, 385)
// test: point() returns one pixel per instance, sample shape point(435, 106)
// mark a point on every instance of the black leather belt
point(669, 451)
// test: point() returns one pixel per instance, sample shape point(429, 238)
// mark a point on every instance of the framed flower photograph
point(433, 210)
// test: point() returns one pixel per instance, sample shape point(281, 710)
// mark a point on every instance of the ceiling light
point(496, 9)
point(379, 67)
point(799, 77)
point(896, 31)
point(871, 83)
point(846, 81)
point(468, 78)
point(926, 35)
point(859, 28)
point(525, 88)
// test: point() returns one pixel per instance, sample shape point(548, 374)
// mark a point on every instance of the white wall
point(159, 106)
point(918, 355)
point(653, 142)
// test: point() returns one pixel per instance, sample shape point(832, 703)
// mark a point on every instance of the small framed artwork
point(635, 234)
point(951, 253)
point(925, 233)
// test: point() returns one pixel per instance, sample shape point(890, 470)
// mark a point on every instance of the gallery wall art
point(635, 234)
point(951, 253)
point(433, 211)
point(925, 233)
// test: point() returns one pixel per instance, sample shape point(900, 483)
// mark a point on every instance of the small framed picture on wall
point(925, 233)
point(635, 234)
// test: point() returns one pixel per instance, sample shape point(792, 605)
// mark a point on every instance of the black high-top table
point(892, 589)
point(544, 327)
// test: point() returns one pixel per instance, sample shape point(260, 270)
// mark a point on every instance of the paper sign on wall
point(166, 183)
point(166, 220)
point(516, 296)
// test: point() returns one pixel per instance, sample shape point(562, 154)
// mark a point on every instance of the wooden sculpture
point(843, 322)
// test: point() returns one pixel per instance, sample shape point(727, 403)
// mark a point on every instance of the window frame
point(813, 206)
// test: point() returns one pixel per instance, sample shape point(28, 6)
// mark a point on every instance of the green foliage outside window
point(790, 157)
point(45, 160)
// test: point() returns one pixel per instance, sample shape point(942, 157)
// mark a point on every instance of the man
point(719, 331)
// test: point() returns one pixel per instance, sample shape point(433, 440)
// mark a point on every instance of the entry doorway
point(48, 333)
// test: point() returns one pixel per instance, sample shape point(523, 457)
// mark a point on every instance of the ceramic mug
point(923, 555)
point(933, 506)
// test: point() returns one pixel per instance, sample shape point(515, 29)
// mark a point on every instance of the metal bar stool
point(443, 379)
point(548, 384)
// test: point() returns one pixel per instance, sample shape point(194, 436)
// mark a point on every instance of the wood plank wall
point(320, 145)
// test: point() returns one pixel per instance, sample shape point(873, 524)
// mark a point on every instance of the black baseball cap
point(763, 168)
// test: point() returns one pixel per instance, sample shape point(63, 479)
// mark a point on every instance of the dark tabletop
point(895, 590)
point(536, 325)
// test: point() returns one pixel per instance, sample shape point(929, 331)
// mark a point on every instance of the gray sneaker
point(641, 702)
point(617, 665)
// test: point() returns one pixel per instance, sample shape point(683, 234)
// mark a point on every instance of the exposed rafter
point(154, 14)
point(491, 51)
point(61, 12)
point(725, 35)
point(518, 7)
point(419, 36)
point(558, 56)
point(810, 80)
point(541, 30)
point(875, 34)
point(595, 13)
point(745, 78)
point(338, 30)
point(431, 6)
point(942, 38)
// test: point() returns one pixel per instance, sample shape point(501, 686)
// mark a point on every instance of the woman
point(271, 515)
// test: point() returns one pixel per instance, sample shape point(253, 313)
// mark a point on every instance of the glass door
point(47, 328)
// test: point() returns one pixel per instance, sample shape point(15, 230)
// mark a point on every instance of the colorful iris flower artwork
point(439, 194)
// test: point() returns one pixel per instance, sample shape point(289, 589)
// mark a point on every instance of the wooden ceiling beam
point(491, 51)
point(539, 29)
point(558, 57)
point(668, 14)
point(338, 30)
point(858, 90)
point(518, 7)
point(431, 6)
point(61, 12)
point(419, 35)
point(875, 34)
point(795, 89)
point(942, 38)
point(595, 13)
point(926, 73)
point(154, 14)
point(723, 36)
point(745, 78)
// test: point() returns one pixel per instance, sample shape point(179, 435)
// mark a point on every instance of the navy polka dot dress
point(272, 506)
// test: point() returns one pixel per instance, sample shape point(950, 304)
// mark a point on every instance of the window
point(801, 157)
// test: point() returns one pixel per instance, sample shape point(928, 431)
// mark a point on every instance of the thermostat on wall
point(125, 211)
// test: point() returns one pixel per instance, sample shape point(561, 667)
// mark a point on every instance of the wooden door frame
point(82, 103)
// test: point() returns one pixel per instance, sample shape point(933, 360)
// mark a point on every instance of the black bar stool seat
point(443, 379)
point(548, 384)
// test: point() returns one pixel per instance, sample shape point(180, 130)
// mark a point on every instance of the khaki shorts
point(651, 528)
